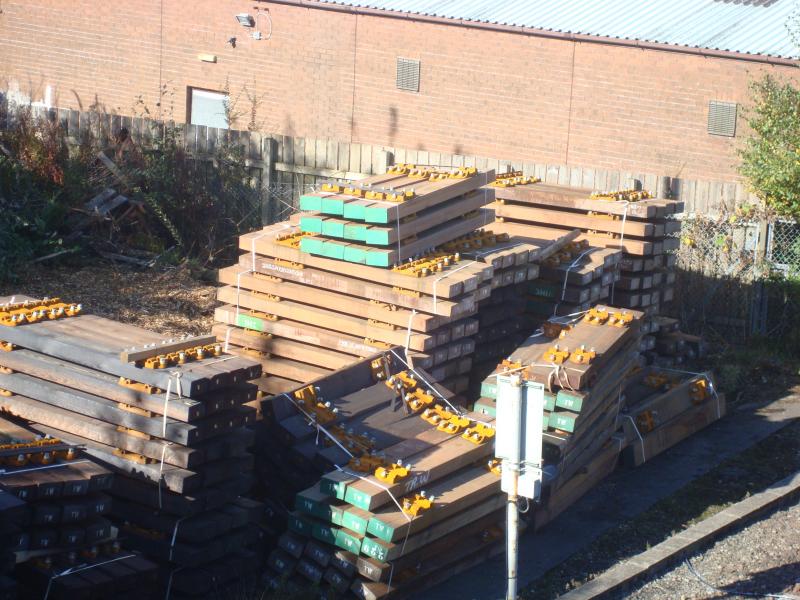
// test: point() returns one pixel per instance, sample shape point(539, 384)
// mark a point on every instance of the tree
point(771, 153)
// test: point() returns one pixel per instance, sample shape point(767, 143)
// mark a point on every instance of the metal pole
point(512, 535)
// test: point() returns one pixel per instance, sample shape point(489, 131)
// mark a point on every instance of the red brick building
point(618, 84)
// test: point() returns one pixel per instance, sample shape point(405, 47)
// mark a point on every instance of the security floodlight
point(245, 20)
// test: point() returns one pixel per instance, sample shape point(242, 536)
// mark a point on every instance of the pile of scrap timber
point(305, 300)
point(405, 498)
point(167, 416)
point(53, 508)
point(629, 220)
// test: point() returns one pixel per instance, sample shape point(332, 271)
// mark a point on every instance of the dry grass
point(170, 301)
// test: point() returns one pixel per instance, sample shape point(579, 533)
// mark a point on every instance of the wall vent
point(722, 118)
point(408, 74)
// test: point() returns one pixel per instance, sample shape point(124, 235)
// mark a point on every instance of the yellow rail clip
point(596, 316)
point(620, 319)
point(418, 399)
point(436, 415)
point(366, 463)
point(418, 503)
point(556, 355)
point(453, 425)
point(495, 466)
point(582, 356)
point(393, 473)
point(699, 391)
point(478, 433)
point(645, 422)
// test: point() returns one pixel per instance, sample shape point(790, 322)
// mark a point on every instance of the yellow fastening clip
point(353, 191)
point(582, 356)
point(379, 367)
point(453, 425)
point(393, 473)
point(292, 240)
point(332, 187)
point(645, 422)
point(620, 319)
point(495, 466)
point(656, 380)
point(418, 503)
point(596, 316)
point(436, 415)
point(699, 391)
point(418, 399)
point(366, 463)
point(478, 433)
point(556, 355)
point(401, 380)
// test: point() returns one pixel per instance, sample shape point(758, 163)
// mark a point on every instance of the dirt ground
point(170, 301)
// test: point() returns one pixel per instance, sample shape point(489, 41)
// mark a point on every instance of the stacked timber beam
point(404, 498)
point(167, 416)
point(631, 221)
point(664, 406)
point(320, 292)
point(54, 505)
point(584, 362)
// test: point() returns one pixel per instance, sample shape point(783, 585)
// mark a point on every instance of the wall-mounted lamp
point(245, 20)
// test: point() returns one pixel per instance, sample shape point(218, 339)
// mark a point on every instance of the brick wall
point(330, 74)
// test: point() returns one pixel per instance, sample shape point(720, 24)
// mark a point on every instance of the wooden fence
point(286, 161)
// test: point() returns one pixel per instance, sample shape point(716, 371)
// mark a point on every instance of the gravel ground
point(169, 301)
point(761, 559)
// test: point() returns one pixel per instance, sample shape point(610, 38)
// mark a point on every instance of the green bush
point(771, 153)
point(196, 207)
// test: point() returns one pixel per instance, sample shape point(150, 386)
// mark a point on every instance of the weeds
point(195, 207)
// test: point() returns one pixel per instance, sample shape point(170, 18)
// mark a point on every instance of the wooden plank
point(107, 386)
point(95, 342)
point(305, 313)
point(285, 290)
point(389, 257)
point(526, 230)
point(310, 334)
point(338, 282)
point(376, 235)
point(543, 216)
point(264, 243)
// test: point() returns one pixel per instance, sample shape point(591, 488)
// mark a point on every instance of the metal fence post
point(267, 179)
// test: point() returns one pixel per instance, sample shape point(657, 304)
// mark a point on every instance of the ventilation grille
point(722, 118)
point(408, 74)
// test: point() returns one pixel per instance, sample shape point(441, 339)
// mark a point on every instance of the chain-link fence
point(738, 278)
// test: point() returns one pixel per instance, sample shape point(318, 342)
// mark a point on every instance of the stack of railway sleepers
point(663, 407)
point(55, 505)
point(386, 219)
point(573, 280)
point(415, 500)
point(304, 316)
point(584, 363)
point(628, 220)
point(166, 415)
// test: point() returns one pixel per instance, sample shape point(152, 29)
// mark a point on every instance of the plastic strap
point(638, 434)
point(72, 570)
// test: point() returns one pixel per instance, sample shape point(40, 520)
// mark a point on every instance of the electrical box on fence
point(518, 442)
